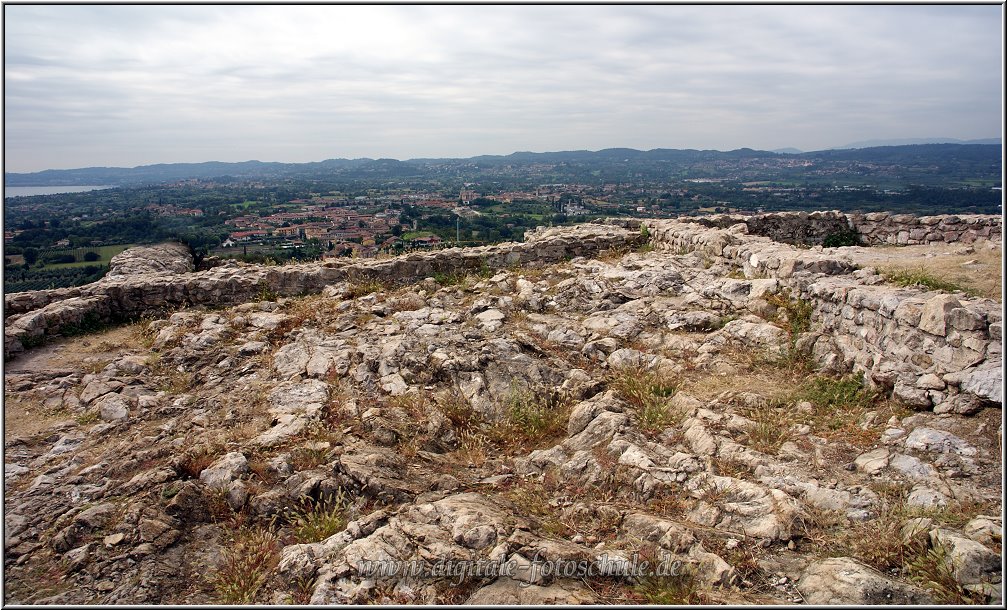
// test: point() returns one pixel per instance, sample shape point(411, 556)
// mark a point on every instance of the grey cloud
point(177, 83)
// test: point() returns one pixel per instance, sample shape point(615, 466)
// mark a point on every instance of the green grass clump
point(649, 392)
point(532, 416)
point(316, 520)
point(839, 403)
point(266, 293)
point(921, 278)
point(528, 420)
point(365, 288)
point(932, 570)
point(453, 278)
point(88, 417)
point(837, 393)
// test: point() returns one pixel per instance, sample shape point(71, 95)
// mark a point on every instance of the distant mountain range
point(611, 163)
point(908, 141)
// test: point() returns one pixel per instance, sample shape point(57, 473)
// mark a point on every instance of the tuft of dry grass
point(876, 542)
point(364, 288)
point(315, 520)
point(168, 377)
point(838, 405)
point(671, 582)
point(770, 427)
point(458, 411)
point(879, 542)
point(532, 497)
point(931, 569)
point(474, 447)
point(649, 392)
point(246, 566)
point(192, 463)
point(529, 421)
point(407, 302)
point(261, 469)
point(306, 458)
point(141, 334)
point(920, 277)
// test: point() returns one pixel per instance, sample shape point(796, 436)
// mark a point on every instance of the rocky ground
point(559, 423)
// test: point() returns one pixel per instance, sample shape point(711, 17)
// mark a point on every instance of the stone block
point(964, 319)
point(936, 312)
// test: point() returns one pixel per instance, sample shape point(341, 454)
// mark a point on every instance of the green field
point(105, 252)
point(414, 234)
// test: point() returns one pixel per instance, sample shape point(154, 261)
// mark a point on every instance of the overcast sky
point(132, 85)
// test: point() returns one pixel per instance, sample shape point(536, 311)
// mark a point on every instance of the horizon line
point(853, 146)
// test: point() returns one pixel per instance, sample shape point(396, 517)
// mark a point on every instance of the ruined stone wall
point(933, 350)
point(799, 228)
point(874, 229)
point(757, 255)
point(154, 286)
point(884, 228)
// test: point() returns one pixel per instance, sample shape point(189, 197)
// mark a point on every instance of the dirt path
point(61, 357)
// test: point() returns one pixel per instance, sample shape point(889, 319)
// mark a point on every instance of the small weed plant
point(839, 403)
point(266, 293)
point(453, 278)
point(673, 583)
point(364, 288)
point(795, 313)
point(649, 392)
point(246, 566)
point(838, 393)
point(770, 427)
point(531, 497)
point(931, 569)
point(315, 520)
point(87, 418)
point(529, 419)
point(306, 458)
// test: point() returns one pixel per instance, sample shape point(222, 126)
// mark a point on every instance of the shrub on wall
point(842, 238)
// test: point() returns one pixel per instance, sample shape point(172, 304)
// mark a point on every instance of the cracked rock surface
point(524, 435)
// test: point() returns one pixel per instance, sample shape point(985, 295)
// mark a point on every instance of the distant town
point(366, 208)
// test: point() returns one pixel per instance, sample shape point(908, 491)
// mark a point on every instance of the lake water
point(26, 191)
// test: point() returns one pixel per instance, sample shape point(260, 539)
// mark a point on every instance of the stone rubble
point(217, 422)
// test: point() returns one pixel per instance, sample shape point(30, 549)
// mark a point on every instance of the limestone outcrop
point(602, 414)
